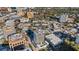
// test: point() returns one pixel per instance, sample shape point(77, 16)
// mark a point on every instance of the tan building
point(4, 10)
point(2, 38)
point(30, 14)
point(16, 40)
point(20, 12)
point(24, 26)
point(1, 22)
point(10, 23)
point(8, 30)
point(70, 20)
point(9, 9)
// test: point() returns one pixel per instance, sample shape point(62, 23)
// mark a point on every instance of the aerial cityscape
point(39, 29)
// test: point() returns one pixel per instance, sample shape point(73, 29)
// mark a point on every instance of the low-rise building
point(2, 37)
point(63, 18)
point(77, 39)
point(70, 20)
point(16, 40)
point(8, 30)
point(53, 40)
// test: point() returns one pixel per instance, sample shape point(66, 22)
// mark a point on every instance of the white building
point(9, 23)
point(39, 37)
point(63, 18)
point(53, 39)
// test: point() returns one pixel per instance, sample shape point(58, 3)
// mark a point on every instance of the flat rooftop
point(54, 39)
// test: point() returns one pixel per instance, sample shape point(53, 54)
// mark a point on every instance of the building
point(24, 26)
point(40, 40)
point(53, 40)
point(39, 37)
point(1, 21)
point(3, 9)
point(14, 16)
point(63, 18)
point(23, 20)
point(10, 9)
point(77, 39)
point(42, 47)
point(20, 11)
point(70, 20)
point(9, 23)
point(8, 30)
point(57, 26)
point(16, 40)
point(30, 15)
point(2, 37)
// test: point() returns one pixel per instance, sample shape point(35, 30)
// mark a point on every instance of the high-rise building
point(30, 14)
point(39, 37)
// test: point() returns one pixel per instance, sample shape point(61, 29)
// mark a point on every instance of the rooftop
point(54, 39)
